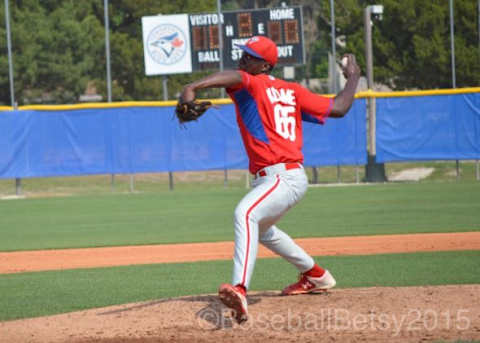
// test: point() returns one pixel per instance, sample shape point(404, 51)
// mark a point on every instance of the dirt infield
point(24, 261)
point(409, 314)
point(399, 314)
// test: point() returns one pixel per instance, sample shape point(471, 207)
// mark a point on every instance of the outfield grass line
point(206, 215)
point(42, 260)
point(346, 184)
point(42, 293)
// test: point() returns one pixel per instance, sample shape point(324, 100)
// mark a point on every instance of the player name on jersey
point(286, 96)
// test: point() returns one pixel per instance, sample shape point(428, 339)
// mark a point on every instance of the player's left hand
point(191, 110)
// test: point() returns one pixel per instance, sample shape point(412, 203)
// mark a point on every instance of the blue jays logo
point(166, 44)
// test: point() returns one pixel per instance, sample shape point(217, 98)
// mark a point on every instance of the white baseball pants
point(272, 196)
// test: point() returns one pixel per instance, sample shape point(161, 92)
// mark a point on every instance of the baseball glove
point(191, 110)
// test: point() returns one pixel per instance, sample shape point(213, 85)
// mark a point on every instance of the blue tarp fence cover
point(439, 127)
point(37, 143)
point(136, 139)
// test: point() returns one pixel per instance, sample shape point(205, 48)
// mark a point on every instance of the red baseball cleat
point(233, 297)
point(308, 284)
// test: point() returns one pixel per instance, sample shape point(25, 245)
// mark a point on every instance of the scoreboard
point(283, 25)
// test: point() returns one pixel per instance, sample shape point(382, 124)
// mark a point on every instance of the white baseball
point(344, 62)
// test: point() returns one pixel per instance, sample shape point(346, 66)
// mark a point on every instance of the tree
point(59, 48)
point(55, 50)
point(128, 73)
point(411, 45)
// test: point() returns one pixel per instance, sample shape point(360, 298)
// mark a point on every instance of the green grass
point(44, 293)
point(388, 209)
point(143, 183)
point(206, 215)
point(445, 171)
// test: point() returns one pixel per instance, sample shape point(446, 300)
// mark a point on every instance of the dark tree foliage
point(411, 44)
point(59, 48)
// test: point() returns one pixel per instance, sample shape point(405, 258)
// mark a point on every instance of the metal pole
point(369, 58)
point(170, 181)
point(107, 55)
point(370, 101)
point(314, 175)
point(10, 59)
point(107, 51)
point(375, 172)
point(18, 181)
point(454, 78)
point(220, 41)
point(221, 67)
point(334, 50)
point(132, 183)
point(477, 167)
point(368, 45)
point(457, 170)
point(18, 186)
point(165, 98)
point(165, 87)
point(452, 45)
point(220, 35)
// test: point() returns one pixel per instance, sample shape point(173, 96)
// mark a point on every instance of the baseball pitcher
point(269, 114)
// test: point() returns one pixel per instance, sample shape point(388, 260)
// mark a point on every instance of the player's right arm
point(344, 100)
point(223, 79)
point(316, 108)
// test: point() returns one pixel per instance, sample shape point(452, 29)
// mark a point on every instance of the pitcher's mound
point(393, 314)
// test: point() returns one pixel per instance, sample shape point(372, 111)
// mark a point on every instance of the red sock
point(316, 271)
point(242, 289)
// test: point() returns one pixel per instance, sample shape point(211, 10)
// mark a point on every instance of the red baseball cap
point(261, 47)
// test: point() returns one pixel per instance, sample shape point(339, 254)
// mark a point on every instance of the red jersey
point(270, 113)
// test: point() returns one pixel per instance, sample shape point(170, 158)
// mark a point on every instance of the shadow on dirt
point(217, 315)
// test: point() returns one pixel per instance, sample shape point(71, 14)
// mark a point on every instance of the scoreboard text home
point(282, 25)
